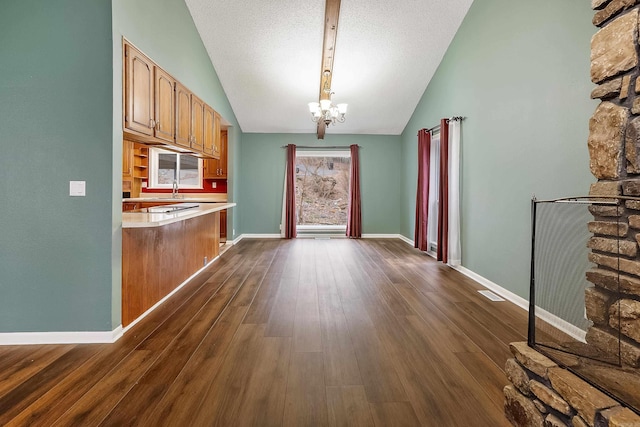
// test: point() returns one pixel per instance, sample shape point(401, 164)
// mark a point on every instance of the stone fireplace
point(543, 392)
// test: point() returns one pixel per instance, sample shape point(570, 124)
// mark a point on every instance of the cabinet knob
point(152, 123)
point(158, 125)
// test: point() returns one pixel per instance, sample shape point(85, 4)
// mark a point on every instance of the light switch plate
point(77, 188)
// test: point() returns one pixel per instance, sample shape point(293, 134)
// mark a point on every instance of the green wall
point(519, 72)
point(164, 30)
point(55, 117)
point(261, 182)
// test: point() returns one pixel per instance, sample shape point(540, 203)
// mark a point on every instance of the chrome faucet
point(174, 191)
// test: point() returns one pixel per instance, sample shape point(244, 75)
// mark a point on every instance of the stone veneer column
point(542, 393)
point(614, 149)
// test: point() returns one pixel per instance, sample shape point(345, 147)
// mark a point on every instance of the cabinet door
point(183, 116)
point(209, 130)
point(127, 159)
point(164, 105)
point(209, 169)
point(138, 92)
point(197, 123)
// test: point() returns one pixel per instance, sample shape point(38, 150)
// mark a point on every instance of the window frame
point(309, 228)
point(152, 179)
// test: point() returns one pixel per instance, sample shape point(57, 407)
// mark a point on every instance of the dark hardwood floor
point(298, 333)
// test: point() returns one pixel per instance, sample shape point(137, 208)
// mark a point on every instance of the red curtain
point(290, 202)
point(422, 201)
point(354, 214)
point(443, 206)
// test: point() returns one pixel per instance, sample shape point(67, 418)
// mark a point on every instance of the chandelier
point(326, 111)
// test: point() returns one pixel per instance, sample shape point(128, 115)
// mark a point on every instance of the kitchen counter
point(152, 219)
point(183, 197)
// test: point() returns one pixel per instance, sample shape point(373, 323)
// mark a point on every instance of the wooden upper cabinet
point(217, 168)
point(209, 130)
point(164, 105)
point(139, 80)
point(197, 123)
point(183, 116)
point(159, 110)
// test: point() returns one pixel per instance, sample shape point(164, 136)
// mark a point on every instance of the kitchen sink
point(170, 208)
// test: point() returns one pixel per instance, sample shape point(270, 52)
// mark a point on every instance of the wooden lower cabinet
point(223, 226)
point(156, 260)
point(130, 206)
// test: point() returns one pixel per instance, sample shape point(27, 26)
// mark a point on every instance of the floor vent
point(322, 238)
point(491, 295)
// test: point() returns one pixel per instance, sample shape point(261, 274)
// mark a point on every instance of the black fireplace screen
point(578, 245)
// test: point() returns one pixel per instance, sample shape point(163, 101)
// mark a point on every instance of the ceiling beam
point(331, 16)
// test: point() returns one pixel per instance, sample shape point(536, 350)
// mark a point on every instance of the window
point(166, 166)
point(322, 189)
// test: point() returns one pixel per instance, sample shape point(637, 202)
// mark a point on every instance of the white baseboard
point(407, 240)
point(381, 236)
point(550, 318)
point(35, 338)
point(257, 236)
point(504, 293)
point(106, 337)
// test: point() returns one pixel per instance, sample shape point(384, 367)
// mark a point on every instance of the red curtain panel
point(290, 207)
point(354, 215)
point(443, 206)
point(422, 200)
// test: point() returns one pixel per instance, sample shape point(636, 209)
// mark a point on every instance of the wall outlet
point(214, 184)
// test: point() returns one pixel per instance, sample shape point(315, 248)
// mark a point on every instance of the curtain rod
point(333, 147)
point(451, 119)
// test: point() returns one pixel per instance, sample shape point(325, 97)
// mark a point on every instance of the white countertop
point(145, 219)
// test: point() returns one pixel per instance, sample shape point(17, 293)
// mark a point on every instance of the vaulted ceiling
point(268, 54)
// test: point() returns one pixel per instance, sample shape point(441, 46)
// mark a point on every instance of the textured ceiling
point(267, 55)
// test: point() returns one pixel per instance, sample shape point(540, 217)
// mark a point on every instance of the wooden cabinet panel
point(223, 226)
point(127, 159)
point(183, 116)
point(155, 260)
point(222, 162)
point(216, 136)
point(197, 123)
point(140, 161)
point(209, 130)
point(164, 105)
point(138, 92)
